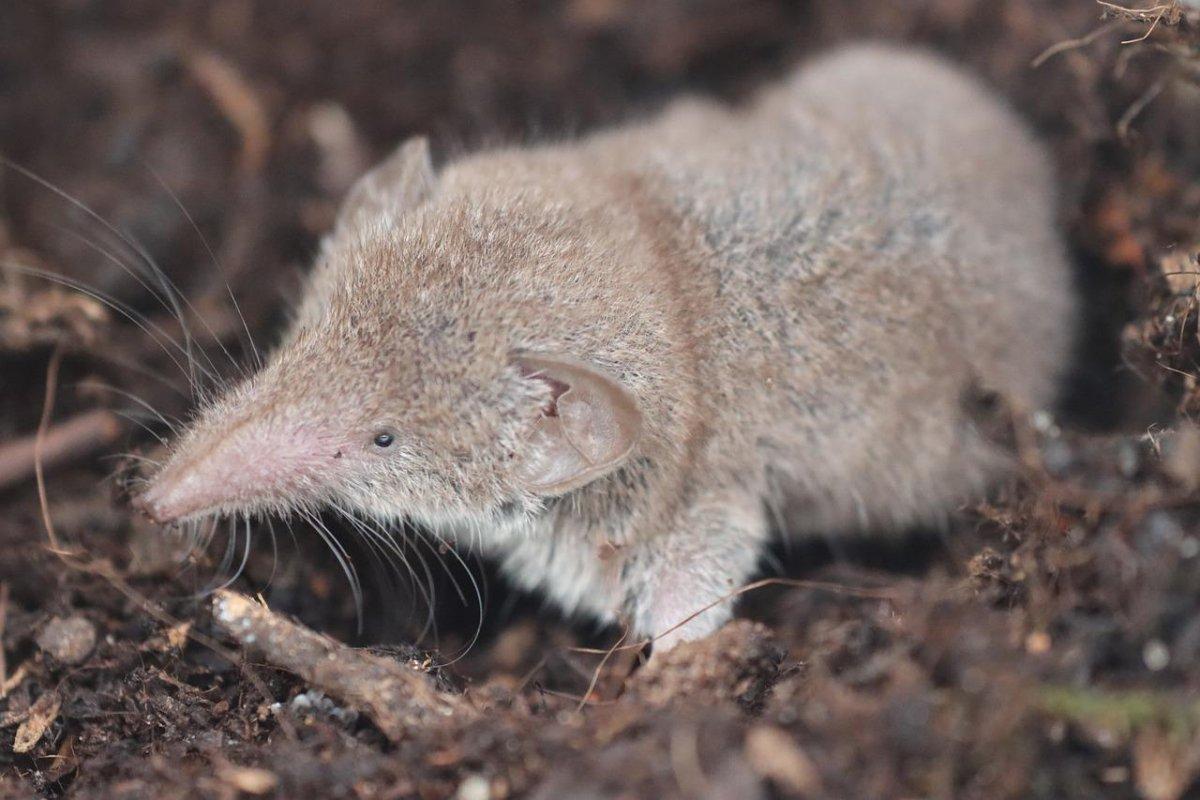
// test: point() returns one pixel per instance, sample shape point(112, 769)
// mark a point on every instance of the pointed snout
point(252, 467)
point(149, 504)
point(172, 497)
point(189, 488)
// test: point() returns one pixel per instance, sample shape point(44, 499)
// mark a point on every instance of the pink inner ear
point(557, 389)
point(589, 427)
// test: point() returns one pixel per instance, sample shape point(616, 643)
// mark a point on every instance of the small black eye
point(384, 439)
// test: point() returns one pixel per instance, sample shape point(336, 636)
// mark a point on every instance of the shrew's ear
point(588, 428)
point(402, 181)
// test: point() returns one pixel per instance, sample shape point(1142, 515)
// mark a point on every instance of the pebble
point(68, 640)
point(1155, 655)
point(474, 787)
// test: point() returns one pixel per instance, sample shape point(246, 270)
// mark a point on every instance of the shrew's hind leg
point(713, 550)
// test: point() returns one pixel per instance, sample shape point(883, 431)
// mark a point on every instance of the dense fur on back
point(799, 295)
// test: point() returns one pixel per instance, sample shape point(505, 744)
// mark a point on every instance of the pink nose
point(150, 505)
point(180, 490)
point(238, 470)
point(146, 508)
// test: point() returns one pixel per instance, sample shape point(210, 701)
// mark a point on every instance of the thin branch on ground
point(67, 442)
point(398, 698)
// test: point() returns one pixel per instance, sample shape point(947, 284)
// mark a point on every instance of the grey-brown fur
point(797, 294)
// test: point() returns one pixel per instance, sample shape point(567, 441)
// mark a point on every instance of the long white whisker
point(479, 605)
point(172, 423)
point(165, 282)
point(274, 551)
point(431, 620)
point(227, 562)
point(133, 457)
point(132, 418)
point(343, 559)
point(147, 326)
point(139, 369)
point(253, 349)
point(170, 304)
point(377, 536)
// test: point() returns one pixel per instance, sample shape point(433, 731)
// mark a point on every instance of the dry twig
point(237, 100)
point(77, 438)
point(396, 697)
point(1070, 44)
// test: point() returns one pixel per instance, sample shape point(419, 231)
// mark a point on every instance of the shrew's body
point(618, 363)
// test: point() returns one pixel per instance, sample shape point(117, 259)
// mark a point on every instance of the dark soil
point(1046, 644)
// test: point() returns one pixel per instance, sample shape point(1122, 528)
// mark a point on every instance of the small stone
point(474, 787)
point(1042, 421)
point(1189, 547)
point(68, 640)
point(1156, 656)
point(1037, 643)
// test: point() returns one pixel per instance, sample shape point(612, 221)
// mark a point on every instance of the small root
point(1069, 44)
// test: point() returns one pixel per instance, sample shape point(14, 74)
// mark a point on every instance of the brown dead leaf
point(31, 319)
point(773, 754)
point(1163, 766)
point(1114, 226)
point(40, 717)
point(65, 761)
point(250, 780)
point(177, 635)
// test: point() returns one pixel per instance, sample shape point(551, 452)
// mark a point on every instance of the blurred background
point(1046, 645)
